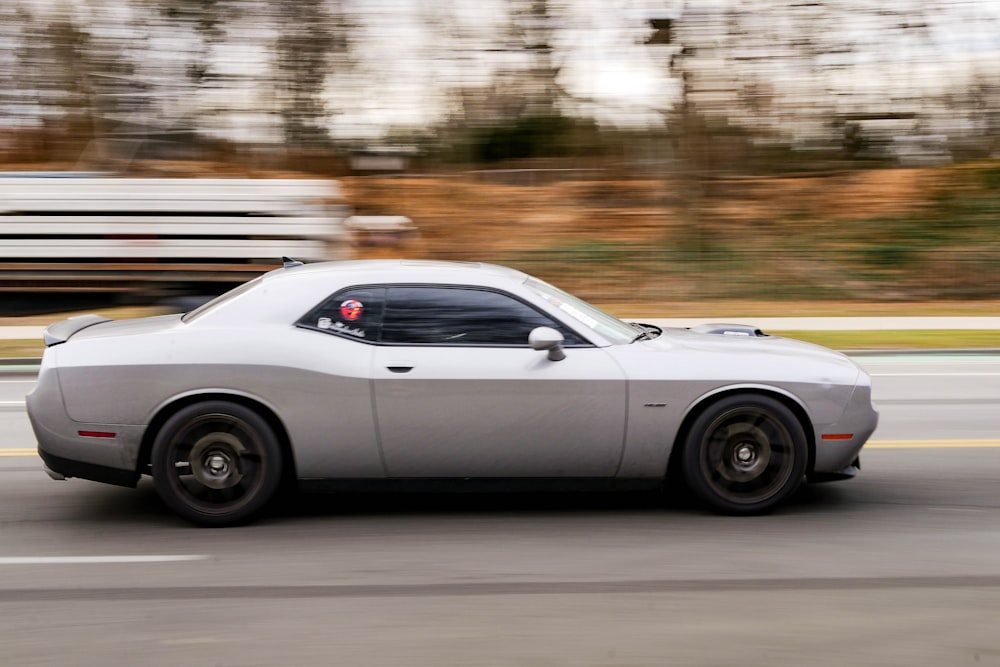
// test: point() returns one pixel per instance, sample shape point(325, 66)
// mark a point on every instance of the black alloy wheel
point(216, 463)
point(745, 454)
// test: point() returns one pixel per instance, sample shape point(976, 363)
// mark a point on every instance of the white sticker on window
point(350, 331)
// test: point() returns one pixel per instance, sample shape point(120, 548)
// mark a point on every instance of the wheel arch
point(707, 401)
point(170, 408)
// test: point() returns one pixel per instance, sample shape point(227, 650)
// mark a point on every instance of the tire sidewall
point(271, 464)
point(691, 455)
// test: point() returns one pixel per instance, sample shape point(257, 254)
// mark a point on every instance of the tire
point(216, 463)
point(744, 454)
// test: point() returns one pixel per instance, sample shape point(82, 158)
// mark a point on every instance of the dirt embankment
point(876, 235)
point(467, 215)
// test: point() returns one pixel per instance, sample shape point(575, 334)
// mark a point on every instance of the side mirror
point(547, 338)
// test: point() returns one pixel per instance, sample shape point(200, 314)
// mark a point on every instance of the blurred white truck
point(78, 238)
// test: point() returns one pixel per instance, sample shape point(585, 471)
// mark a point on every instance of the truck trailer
point(92, 240)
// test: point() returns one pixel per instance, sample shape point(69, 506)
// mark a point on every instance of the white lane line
point(8, 403)
point(18, 381)
point(89, 560)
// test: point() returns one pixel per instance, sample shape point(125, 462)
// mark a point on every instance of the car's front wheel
point(745, 454)
point(216, 463)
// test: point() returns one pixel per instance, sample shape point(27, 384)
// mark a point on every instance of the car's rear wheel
point(216, 463)
point(745, 454)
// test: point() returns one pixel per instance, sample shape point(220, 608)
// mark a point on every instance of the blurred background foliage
point(647, 151)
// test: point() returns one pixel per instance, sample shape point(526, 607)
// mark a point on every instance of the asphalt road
point(900, 566)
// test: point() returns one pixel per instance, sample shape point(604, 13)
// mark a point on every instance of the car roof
point(405, 270)
point(296, 289)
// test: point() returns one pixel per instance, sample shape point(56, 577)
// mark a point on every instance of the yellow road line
point(19, 451)
point(933, 444)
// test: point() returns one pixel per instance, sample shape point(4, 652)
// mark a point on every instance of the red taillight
point(96, 434)
point(837, 436)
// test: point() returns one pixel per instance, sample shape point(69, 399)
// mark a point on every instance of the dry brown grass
point(463, 214)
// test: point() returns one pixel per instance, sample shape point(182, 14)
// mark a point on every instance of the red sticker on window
point(351, 309)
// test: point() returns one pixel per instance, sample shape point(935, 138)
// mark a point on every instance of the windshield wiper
point(646, 331)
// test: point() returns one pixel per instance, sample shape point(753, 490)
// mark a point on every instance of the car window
point(353, 313)
point(461, 316)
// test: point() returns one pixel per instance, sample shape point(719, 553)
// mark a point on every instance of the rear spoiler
point(60, 332)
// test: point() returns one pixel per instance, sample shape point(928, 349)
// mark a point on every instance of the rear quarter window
point(354, 313)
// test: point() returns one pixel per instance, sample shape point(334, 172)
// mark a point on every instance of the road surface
point(900, 566)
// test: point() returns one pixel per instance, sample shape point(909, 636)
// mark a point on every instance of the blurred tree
point(271, 71)
point(190, 57)
point(83, 82)
point(510, 104)
point(204, 19)
point(314, 38)
point(796, 71)
point(984, 100)
point(19, 110)
point(51, 54)
point(531, 32)
point(454, 51)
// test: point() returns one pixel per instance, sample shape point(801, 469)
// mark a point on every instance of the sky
point(600, 45)
point(410, 53)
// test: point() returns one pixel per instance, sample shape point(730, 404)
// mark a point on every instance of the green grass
point(916, 339)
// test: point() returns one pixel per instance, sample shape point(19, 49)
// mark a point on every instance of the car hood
point(737, 358)
point(722, 342)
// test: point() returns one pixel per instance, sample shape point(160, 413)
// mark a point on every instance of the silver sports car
point(421, 374)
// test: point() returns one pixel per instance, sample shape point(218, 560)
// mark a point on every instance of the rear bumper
point(69, 449)
point(97, 473)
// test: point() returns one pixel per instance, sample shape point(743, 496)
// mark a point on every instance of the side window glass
point(353, 313)
point(460, 316)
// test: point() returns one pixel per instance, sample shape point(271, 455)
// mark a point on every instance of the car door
point(459, 392)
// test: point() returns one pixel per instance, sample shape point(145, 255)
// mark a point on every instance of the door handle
point(400, 368)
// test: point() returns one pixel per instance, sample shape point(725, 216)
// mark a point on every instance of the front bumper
point(837, 456)
point(844, 473)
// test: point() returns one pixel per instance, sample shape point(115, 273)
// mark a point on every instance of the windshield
point(221, 299)
point(608, 326)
